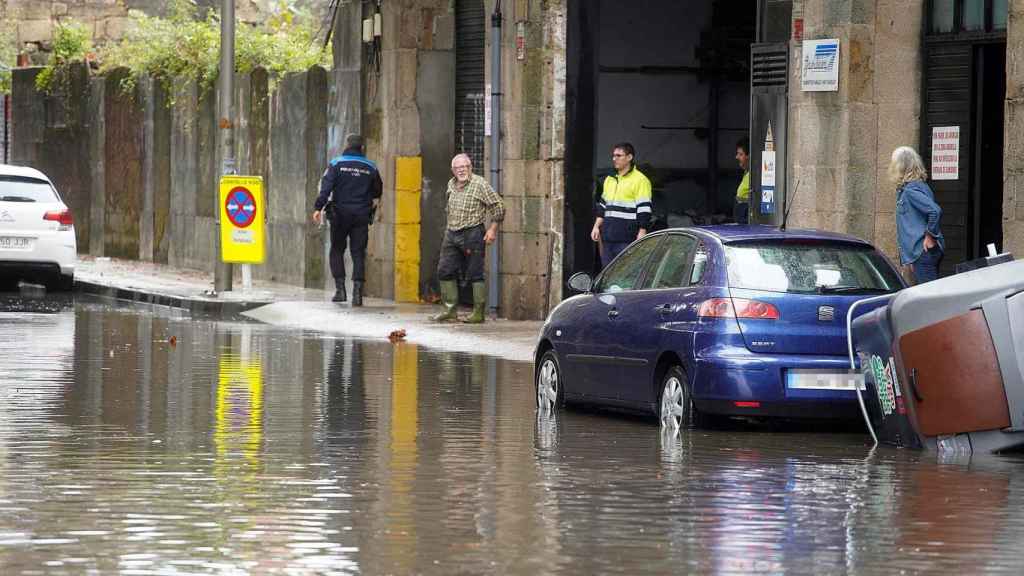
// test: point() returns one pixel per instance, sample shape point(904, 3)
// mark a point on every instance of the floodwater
point(142, 441)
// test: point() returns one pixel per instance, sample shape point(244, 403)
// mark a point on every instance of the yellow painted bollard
point(408, 190)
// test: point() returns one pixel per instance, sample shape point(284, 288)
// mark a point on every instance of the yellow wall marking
point(408, 189)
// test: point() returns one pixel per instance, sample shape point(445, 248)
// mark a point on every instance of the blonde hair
point(906, 166)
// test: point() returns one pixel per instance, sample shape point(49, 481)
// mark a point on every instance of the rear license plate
point(16, 243)
point(824, 380)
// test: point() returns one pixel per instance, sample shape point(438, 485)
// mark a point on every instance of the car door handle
point(663, 309)
point(613, 314)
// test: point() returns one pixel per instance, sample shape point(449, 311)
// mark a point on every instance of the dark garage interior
point(673, 79)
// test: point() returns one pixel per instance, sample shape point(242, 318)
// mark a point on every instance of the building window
point(943, 16)
point(973, 15)
point(999, 14)
point(952, 16)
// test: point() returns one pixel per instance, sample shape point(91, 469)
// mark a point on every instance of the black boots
point(339, 291)
point(340, 295)
point(357, 293)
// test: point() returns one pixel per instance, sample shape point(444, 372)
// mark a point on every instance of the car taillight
point(738, 308)
point(716, 308)
point(61, 216)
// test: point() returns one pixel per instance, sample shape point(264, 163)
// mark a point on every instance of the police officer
point(350, 190)
point(623, 213)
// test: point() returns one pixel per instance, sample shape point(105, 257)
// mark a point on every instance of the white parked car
point(37, 232)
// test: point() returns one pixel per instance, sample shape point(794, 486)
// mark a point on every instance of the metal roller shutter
point(470, 30)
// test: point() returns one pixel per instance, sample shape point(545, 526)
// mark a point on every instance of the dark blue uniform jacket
point(352, 183)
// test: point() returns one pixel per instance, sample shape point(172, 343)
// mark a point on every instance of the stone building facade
point(897, 82)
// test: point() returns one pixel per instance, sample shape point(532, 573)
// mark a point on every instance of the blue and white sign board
point(820, 71)
point(768, 182)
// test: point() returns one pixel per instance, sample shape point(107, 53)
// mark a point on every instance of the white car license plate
point(16, 243)
point(824, 380)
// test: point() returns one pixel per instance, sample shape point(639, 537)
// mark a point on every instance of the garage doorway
point(673, 79)
point(965, 87)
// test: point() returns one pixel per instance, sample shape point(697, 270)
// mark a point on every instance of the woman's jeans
point(926, 268)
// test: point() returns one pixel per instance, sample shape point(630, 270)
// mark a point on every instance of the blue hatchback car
point(719, 320)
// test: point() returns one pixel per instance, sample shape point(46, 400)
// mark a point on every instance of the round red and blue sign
point(241, 207)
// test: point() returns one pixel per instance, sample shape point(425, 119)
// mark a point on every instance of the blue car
point(720, 320)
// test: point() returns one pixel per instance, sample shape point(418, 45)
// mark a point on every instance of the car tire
point(675, 406)
point(62, 283)
point(548, 381)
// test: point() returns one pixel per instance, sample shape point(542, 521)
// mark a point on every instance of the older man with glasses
point(470, 201)
point(623, 213)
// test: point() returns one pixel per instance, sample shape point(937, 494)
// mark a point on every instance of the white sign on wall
point(945, 153)
point(820, 71)
point(487, 110)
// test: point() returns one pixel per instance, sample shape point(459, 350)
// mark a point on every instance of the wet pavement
point(142, 440)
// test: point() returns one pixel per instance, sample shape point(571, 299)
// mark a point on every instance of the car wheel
point(62, 283)
point(549, 383)
point(675, 409)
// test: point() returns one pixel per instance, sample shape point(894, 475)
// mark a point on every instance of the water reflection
point(143, 440)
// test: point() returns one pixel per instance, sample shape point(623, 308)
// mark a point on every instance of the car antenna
point(789, 205)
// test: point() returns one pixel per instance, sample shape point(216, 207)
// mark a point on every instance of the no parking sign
point(241, 219)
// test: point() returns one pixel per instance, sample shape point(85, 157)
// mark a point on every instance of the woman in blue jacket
point(918, 216)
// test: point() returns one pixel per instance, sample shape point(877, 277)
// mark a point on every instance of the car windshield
point(810, 268)
point(18, 189)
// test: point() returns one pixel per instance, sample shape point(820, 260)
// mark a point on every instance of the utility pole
point(223, 272)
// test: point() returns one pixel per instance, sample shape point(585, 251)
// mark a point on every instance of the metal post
point(222, 272)
point(496, 160)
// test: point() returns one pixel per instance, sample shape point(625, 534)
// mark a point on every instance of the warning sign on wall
point(945, 153)
point(241, 219)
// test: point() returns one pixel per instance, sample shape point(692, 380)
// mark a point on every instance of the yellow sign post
point(241, 219)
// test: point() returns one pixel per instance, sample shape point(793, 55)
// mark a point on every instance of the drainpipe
point(495, 248)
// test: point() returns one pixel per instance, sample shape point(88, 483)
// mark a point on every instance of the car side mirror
point(580, 282)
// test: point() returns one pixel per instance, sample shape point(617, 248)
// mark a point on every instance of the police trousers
point(345, 228)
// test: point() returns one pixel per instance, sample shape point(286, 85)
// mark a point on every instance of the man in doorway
point(623, 212)
point(741, 213)
point(350, 191)
point(470, 201)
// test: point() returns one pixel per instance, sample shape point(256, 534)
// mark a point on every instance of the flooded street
point(141, 441)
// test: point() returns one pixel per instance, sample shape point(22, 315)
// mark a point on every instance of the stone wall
point(533, 181)
point(140, 174)
point(1013, 158)
point(409, 113)
point(840, 142)
point(109, 20)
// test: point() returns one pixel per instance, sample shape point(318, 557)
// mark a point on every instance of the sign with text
point(768, 182)
point(241, 219)
point(945, 153)
point(820, 66)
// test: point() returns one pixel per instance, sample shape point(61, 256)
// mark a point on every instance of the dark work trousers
point(609, 250)
point(347, 227)
point(462, 250)
point(741, 213)
point(926, 267)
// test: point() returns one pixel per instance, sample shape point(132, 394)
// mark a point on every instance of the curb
point(196, 305)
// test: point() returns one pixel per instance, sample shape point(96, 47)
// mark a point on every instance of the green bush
point(8, 55)
point(71, 42)
point(181, 46)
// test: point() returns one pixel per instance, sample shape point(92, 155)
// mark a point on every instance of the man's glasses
point(463, 167)
point(617, 155)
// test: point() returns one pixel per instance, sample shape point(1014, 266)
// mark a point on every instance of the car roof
point(728, 233)
point(23, 172)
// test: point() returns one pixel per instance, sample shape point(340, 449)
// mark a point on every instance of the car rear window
point(810, 268)
point(19, 189)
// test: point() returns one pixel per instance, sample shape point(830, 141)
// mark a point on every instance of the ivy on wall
point(180, 45)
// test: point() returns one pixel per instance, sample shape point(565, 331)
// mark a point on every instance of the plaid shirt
point(470, 206)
